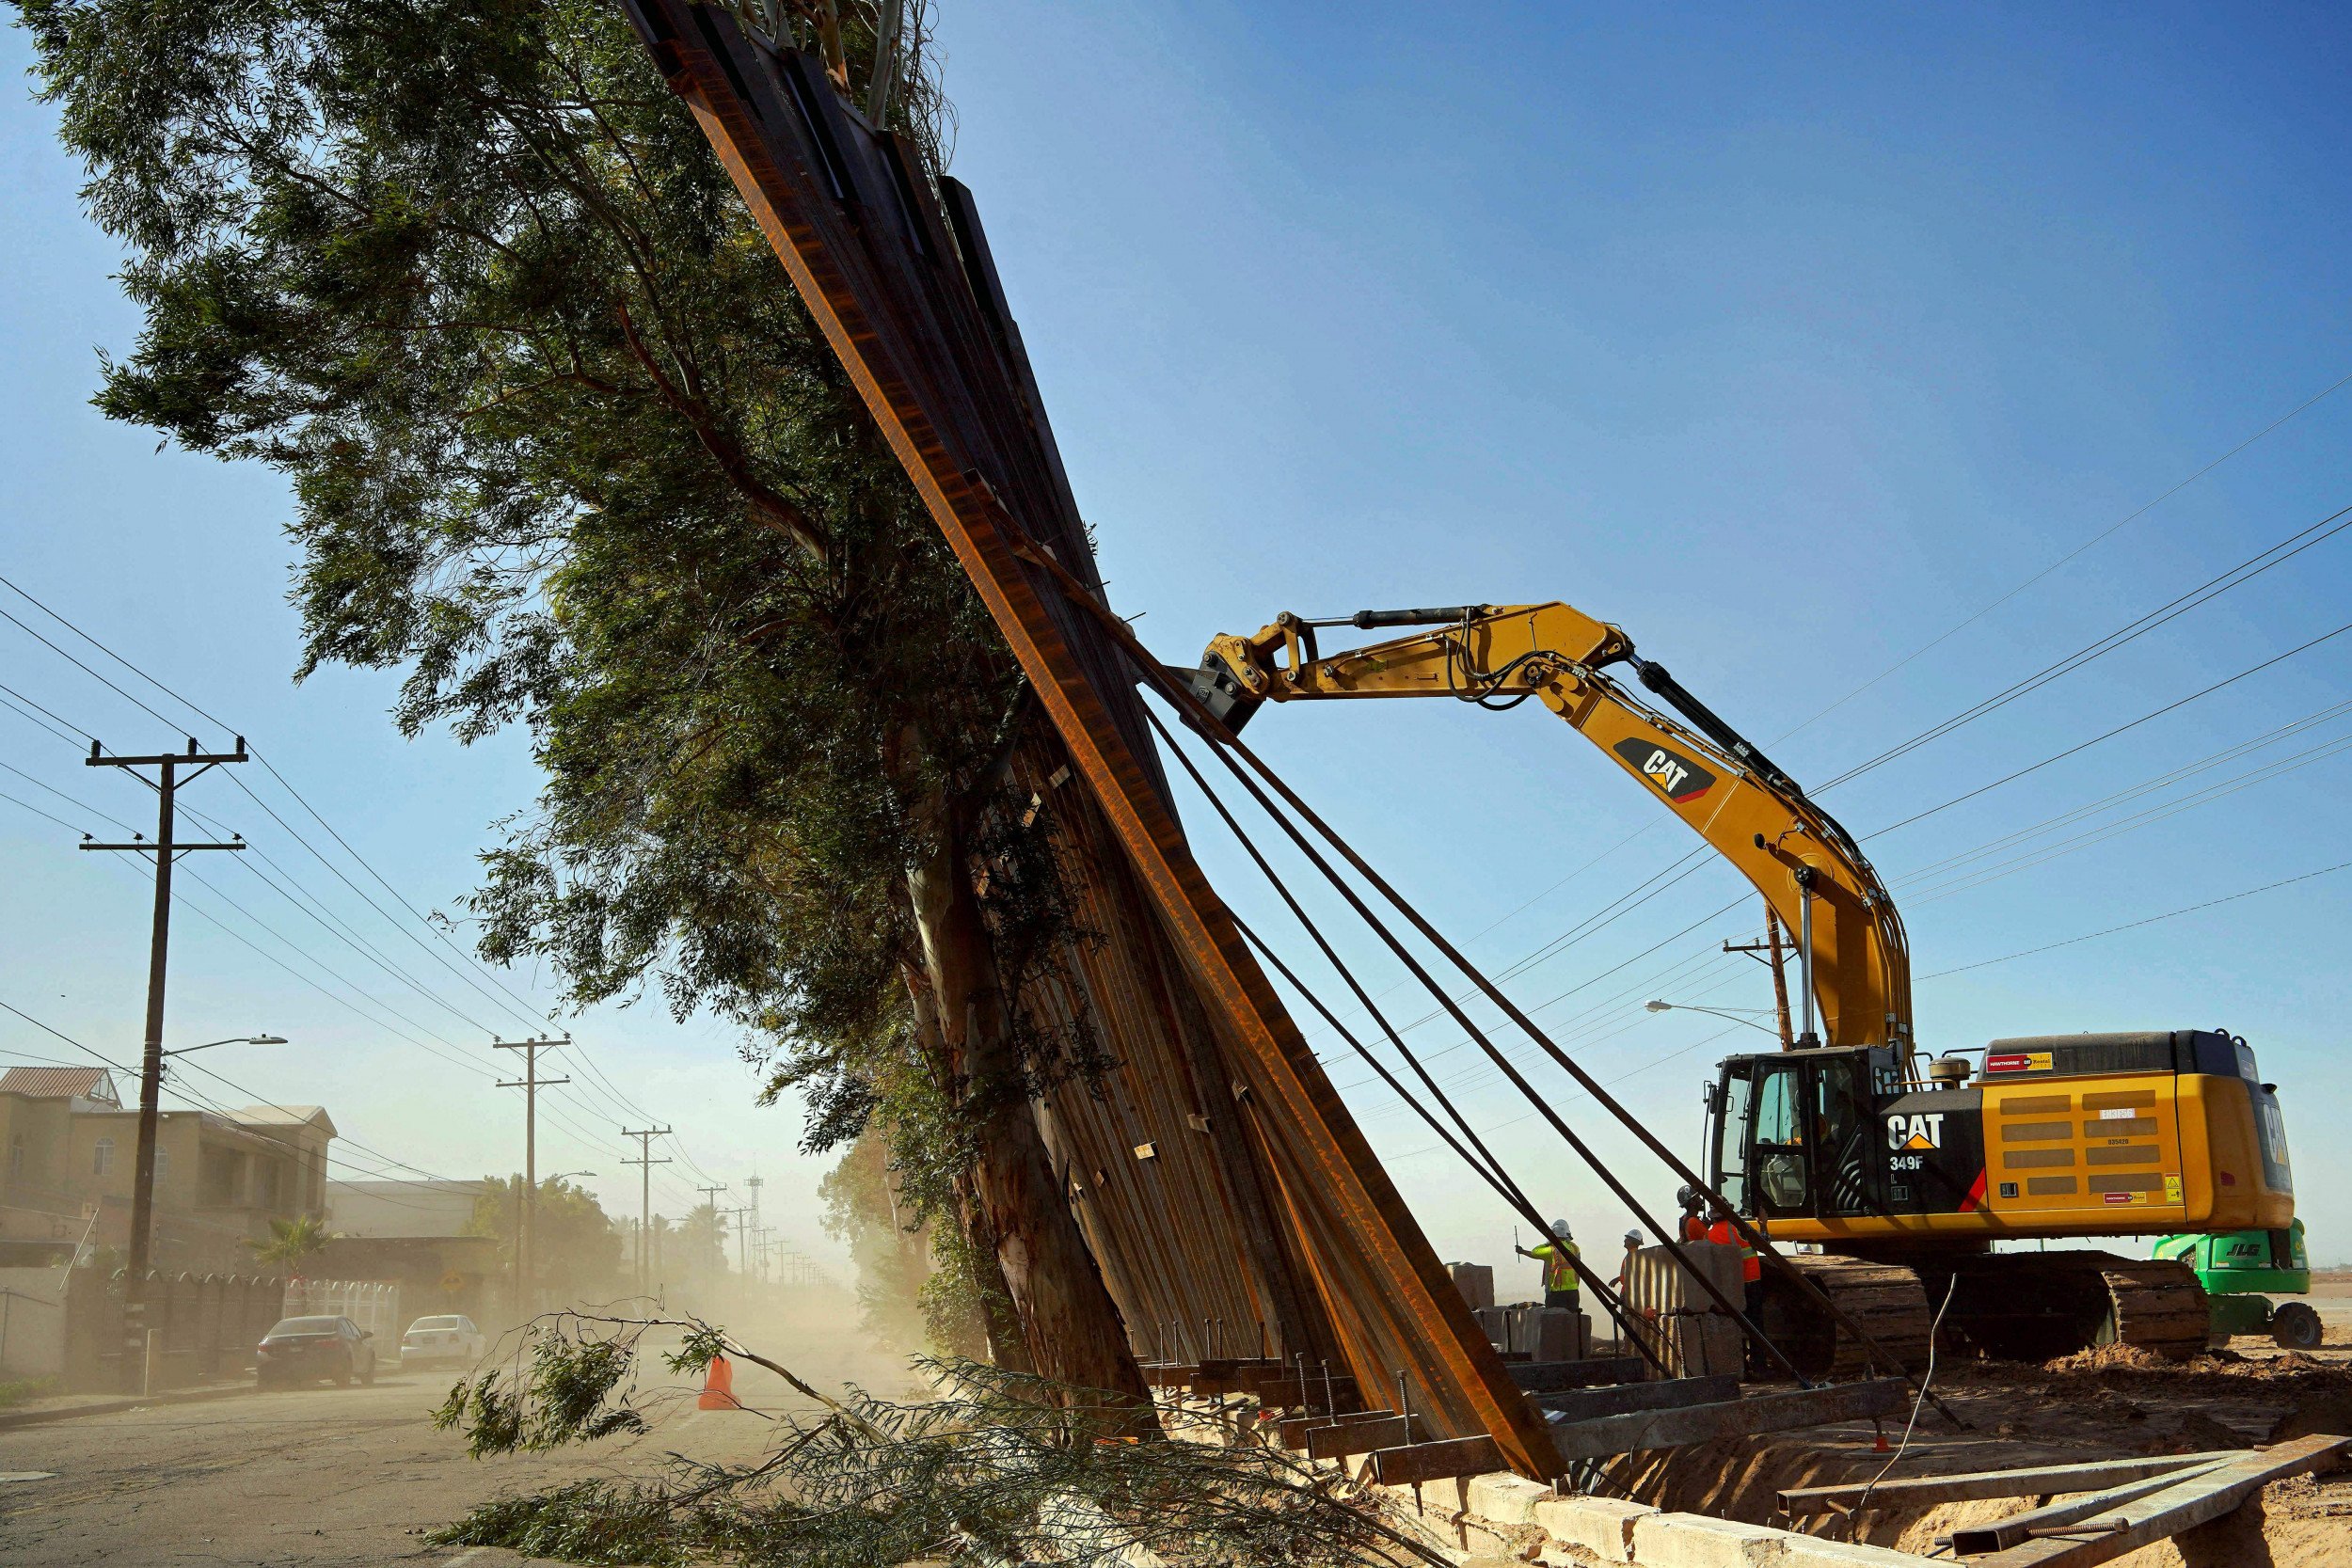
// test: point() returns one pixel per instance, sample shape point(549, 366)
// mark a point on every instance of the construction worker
point(1558, 1256)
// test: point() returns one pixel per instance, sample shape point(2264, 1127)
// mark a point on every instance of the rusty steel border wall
point(1279, 1208)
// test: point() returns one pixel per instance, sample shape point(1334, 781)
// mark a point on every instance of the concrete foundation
point(1502, 1518)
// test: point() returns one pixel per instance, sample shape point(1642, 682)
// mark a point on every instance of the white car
point(449, 1338)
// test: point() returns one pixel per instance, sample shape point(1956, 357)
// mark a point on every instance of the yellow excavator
point(1902, 1170)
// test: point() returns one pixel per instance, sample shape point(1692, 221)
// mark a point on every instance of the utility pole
point(531, 1084)
point(755, 1182)
point(645, 1163)
point(743, 1249)
point(711, 1199)
point(1777, 948)
point(167, 848)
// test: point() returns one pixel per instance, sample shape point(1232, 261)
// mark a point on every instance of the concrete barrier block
point(1696, 1541)
point(1811, 1551)
point(1601, 1525)
point(1505, 1498)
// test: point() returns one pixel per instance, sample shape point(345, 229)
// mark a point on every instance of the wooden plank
point(1586, 1405)
point(1704, 1423)
point(1167, 1375)
point(2018, 1528)
point(1420, 1462)
point(2030, 1480)
point(2160, 1516)
point(1550, 1377)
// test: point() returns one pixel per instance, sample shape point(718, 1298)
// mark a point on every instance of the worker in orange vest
point(1720, 1229)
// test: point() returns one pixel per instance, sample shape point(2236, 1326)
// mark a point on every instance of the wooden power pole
point(531, 1084)
point(167, 848)
point(645, 1163)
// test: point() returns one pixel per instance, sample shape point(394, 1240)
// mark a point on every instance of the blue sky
point(1788, 341)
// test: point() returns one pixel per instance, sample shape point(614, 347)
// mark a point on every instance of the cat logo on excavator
point(1916, 1131)
point(1678, 778)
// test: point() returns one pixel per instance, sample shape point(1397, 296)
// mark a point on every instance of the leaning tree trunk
point(1000, 1326)
point(1072, 1327)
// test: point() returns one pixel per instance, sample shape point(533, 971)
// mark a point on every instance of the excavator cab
point(1796, 1133)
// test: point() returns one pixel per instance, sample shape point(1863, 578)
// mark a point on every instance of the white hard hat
point(1560, 1227)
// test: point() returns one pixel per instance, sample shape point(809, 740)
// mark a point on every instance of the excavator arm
point(1850, 943)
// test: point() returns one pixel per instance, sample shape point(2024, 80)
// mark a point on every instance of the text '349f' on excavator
point(1904, 1171)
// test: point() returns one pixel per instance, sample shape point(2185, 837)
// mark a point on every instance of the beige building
point(72, 1154)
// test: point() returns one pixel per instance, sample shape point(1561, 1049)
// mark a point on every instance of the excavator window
point(1844, 1135)
point(1731, 1137)
point(1783, 1179)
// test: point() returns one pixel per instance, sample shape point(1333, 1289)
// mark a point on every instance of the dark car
point(301, 1350)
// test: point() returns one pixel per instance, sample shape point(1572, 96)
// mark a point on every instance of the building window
point(163, 1164)
point(102, 1157)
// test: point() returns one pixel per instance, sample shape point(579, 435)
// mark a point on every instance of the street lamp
point(234, 1039)
point(1656, 1006)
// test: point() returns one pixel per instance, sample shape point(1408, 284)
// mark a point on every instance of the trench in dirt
point(2103, 1404)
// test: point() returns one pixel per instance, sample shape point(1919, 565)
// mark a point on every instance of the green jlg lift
point(2241, 1270)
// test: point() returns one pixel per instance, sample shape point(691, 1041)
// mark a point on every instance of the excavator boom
point(1850, 940)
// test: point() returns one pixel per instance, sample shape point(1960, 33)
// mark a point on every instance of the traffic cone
point(718, 1386)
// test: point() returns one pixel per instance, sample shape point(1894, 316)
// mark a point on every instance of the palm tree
point(290, 1242)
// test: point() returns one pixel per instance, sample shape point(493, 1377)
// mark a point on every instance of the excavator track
point(2156, 1305)
point(2012, 1307)
point(1885, 1299)
point(2037, 1305)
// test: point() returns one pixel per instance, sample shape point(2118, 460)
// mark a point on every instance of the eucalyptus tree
point(566, 449)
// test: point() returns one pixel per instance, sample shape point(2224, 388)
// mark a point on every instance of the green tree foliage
point(576, 1250)
point(289, 1241)
point(568, 452)
point(699, 1244)
point(906, 1297)
point(994, 1471)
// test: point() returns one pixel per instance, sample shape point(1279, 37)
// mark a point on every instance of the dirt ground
point(2105, 1404)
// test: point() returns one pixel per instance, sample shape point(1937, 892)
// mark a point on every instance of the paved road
point(322, 1476)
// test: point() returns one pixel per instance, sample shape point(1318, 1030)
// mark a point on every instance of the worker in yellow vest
point(1558, 1256)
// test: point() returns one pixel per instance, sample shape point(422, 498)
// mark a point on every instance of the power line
point(69, 826)
point(41, 717)
point(2109, 735)
point(2134, 925)
point(2131, 631)
point(2131, 517)
point(1968, 879)
point(505, 998)
point(2144, 786)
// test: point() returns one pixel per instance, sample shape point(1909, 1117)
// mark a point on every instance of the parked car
point(449, 1337)
point(301, 1350)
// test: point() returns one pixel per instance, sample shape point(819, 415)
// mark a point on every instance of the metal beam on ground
point(1585, 1404)
point(2030, 1480)
point(1550, 1377)
point(2200, 1500)
point(2018, 1528)
point(1443, 1461)
point(1704, 1423)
